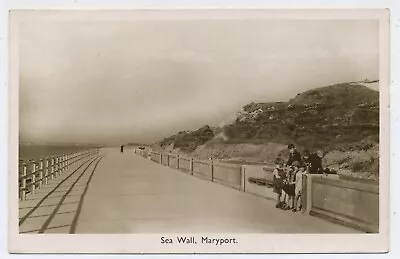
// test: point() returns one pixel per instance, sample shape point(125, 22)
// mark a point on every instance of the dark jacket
point(293, 157)
point(315, 163)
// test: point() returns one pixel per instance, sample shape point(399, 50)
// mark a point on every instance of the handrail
point(228, 167)
point(45, 168)
point(211, 165)
point(199, 162)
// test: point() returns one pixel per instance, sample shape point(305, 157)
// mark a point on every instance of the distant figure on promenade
point(122, 149)
point(294, 155)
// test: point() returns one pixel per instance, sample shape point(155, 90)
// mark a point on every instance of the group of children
point(288, 179)
point(288, 184)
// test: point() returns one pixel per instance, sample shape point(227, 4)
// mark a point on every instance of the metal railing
point(35, 174)
point(231, 175)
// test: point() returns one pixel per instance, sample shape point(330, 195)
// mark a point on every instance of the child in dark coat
point(315, 161)
point(279, 176)
point(294, 155)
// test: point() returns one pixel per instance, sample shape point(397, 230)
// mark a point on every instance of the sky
point(114, 82)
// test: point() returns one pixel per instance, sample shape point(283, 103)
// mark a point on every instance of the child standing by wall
point(289, 186)
point(299, 187)
point(279, 176)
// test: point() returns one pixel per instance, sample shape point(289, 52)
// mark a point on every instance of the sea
point(39, 151)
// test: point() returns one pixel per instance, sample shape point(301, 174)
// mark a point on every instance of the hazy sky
point(136, 81)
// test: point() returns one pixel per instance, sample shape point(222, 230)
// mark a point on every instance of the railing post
point(191, 166)
point(243, 178)
point(46, 175)
point(212, 169)
point(41, 174)
point(160, 160)
point(167, 159)
point(23, 182)
point(52, 168)
point(55, 167)
point(177, 161)
point(306, 193)
point(33, 183)
point(58, 166)
point(61, 163)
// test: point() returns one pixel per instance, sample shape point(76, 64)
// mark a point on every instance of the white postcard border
point(248, 243)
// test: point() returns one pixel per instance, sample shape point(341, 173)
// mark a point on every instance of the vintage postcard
point(199, 131)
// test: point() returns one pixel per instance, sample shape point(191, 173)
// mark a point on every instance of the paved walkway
point(126, 193)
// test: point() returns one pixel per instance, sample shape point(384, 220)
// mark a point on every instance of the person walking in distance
point(122, 149)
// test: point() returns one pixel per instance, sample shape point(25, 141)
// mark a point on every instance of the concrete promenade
point(125, 193)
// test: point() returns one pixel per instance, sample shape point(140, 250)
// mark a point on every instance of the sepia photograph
point(195, 127)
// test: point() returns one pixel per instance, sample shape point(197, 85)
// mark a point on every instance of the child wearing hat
point(294, 155)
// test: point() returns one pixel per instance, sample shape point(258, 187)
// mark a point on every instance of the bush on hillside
point(188, 141)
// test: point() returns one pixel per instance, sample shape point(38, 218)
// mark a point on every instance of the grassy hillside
point(326, 117)
point(341, 119)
